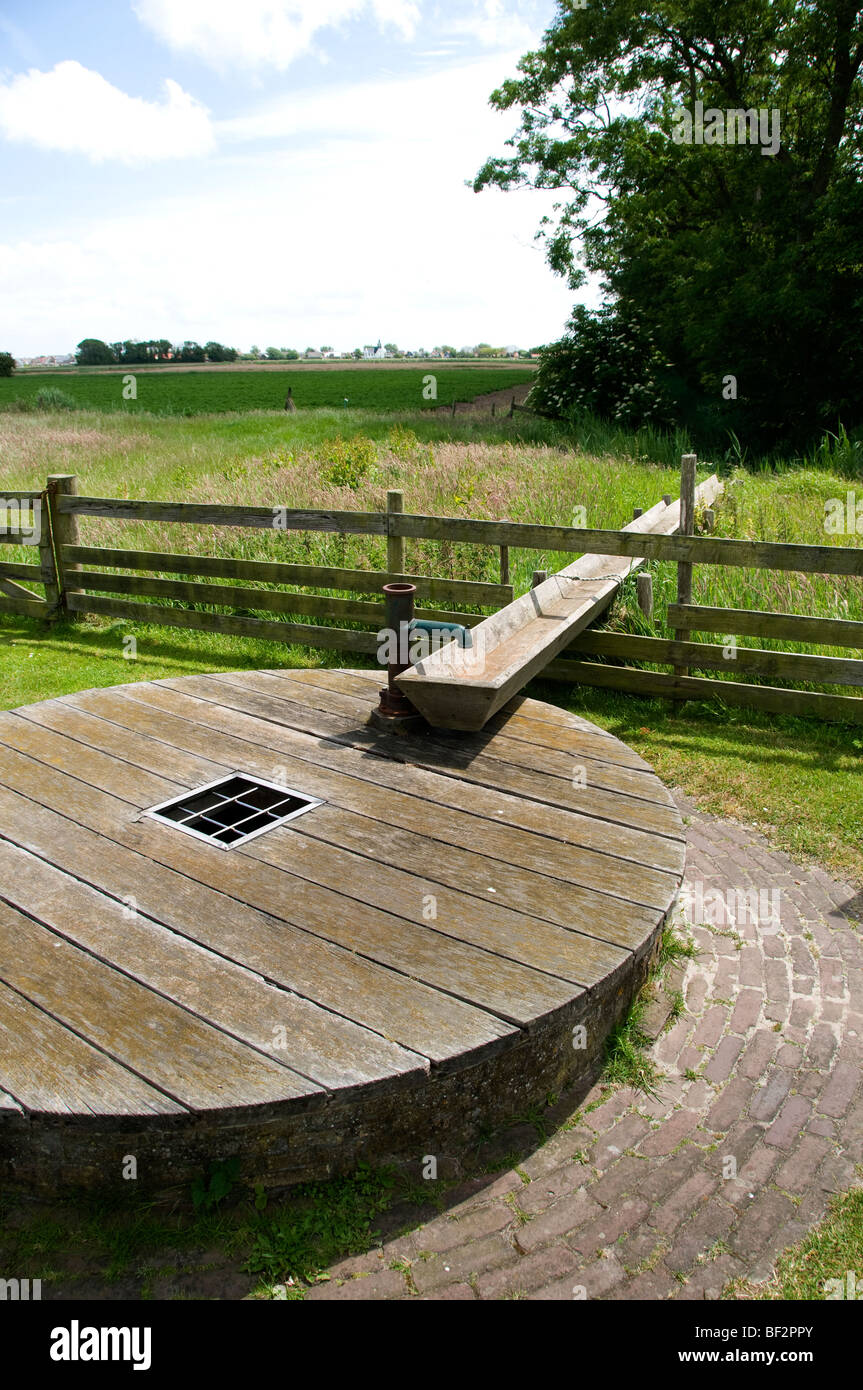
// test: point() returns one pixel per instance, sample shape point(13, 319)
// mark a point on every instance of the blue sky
point(283, 172)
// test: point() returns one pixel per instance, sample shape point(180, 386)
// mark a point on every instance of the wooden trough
point(461, 688)
point(446, 937)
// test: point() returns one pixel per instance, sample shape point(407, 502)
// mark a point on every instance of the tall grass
point(524, 469)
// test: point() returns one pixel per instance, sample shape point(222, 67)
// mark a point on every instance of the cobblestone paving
point(639, 1198)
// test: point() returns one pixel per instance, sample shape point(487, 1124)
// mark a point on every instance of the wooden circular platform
point(378, 978)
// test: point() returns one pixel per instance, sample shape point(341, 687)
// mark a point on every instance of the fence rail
point(108, 580)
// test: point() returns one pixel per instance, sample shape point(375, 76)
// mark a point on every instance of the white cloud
point(76, 111)
point(262, 33)
point(495, 24)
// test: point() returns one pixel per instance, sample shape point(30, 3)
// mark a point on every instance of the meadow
point(188, 392)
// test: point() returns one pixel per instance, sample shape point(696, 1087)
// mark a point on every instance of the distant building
point(375, 354)
point(313, 355)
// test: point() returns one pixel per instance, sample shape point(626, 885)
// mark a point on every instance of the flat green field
point(181, 392)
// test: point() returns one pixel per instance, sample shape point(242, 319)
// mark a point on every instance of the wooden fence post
point(64, 529)
point(637, 512)
point(395, 544)
point(539, 577)
point(644, 590)
point(504, 564)
point(48, 560)
point(687, 526)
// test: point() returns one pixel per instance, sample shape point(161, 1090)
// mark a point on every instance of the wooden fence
point(31, 509)
point(100, 580)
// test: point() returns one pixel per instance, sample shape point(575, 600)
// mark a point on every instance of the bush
point(607, 365)
point(52, 398)
point(347, 461)
point(7, 364)
point(402, 442)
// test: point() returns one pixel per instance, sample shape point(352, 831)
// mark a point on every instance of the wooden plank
point(17, 496)
point(699, 550)
point(743, 622)
point(842, 708)
point(827, 670)
point(509, 990)
point(512, 842)
point(457, 915)
point(402, 1009)
point(51, 1071)
point(439, 591)
point(33, 573)
point(219, 514)
point(458, 688)
point(490, 761)
point(25, 608)
point(289, 633)
point(330, 848)
point(317, 1044)
point(24, 538)
point(568, 954)
point(687, 527)
point(228, 595)
point(194, 1064)
point(641, 803)
point(15, 591)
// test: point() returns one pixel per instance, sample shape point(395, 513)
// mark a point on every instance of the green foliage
point(52, 398)
point(323, 1222)
point(7, 364)
point(207, 1194)
point(347, 461)
point(402, 442)
point(746, 259)
point(92, 352)
point(608, 366)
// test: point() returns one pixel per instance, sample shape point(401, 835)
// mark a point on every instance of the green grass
point(627, 1048)
point(225, 390)
point(831, 1251)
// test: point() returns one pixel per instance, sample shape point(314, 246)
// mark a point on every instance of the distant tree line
point(92, 352)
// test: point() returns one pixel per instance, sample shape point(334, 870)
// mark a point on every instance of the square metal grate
point(233, 810)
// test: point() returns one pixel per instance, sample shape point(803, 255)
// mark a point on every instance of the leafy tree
point(358, 352)
point(7, 364)
point(327, 348)
point(190, 352)
point(217, 352)
point(92, 352)
point(290, 354)
point(746, 259)
point(274, 354)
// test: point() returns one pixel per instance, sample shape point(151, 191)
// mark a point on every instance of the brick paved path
point(638, 1198)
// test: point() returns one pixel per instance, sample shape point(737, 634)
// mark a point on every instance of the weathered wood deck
point(378, 977)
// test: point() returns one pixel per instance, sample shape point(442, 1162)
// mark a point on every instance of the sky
point(287, 173)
